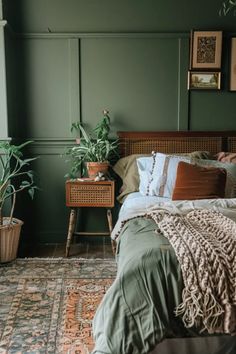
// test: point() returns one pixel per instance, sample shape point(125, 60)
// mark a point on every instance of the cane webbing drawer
point(90, 194)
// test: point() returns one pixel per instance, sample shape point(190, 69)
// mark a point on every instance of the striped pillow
point(159, 178)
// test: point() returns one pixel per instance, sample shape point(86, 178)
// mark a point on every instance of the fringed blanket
point(205, 245)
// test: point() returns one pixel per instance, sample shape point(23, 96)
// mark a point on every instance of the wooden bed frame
point(176, 142)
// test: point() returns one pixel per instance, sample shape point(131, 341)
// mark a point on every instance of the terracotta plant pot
point(9, 239)
point(94, 167)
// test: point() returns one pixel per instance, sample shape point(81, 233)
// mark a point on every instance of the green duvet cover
point(138, 310)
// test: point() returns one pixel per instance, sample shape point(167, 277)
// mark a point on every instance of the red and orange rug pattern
point(47, 305)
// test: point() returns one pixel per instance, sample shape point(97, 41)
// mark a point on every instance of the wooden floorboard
point(89, 247)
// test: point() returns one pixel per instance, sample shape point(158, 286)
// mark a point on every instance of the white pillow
point(158, 175)
point(144, 169)
point(230, 187)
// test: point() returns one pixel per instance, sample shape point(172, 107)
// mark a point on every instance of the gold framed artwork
point(206, 48)
point(232, 84)
point(204, 80)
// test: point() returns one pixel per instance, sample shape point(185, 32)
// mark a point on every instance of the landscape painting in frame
point(204, 80)
point(206, 50)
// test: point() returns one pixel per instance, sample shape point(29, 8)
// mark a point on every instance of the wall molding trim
point(80, 35)
point(3, 23)
point(46, 146)
point(39, 140)
point(70, 35)
point(5, 139)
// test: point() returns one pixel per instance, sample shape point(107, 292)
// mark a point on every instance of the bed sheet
point(136, 204)
point(137, 312)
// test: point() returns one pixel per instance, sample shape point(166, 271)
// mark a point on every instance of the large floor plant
point(15, 176)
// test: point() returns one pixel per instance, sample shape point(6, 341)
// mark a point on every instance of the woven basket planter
point(9, 239)
point(94, 167)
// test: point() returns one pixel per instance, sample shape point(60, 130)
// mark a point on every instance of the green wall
point(66, 60)
point(116, 16)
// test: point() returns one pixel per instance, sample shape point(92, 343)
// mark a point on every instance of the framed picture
point(206, 48)
point(232, 84)
point(204, 80)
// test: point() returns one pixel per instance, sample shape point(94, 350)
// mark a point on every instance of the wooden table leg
point(109, 219)
point(110, 224)
point(71, 229)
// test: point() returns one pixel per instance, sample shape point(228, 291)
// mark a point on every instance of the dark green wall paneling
point(183, 118)
point(135, 78)
point(69, 59)
point(213, 110)
point(45, 218)
point(44, 87)
point(12, 82)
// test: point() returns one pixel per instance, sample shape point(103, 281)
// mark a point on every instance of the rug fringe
point(64, 259)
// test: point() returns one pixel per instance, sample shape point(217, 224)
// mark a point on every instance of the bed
point(141, 312)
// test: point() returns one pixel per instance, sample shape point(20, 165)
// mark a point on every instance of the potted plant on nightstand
point(95, 150)
point(15, 176)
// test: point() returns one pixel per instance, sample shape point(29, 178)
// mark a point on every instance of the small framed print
point(232, 85)
point(206, 48)
point(204, 80)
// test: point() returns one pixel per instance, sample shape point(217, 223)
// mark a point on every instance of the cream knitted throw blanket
point(205, 245)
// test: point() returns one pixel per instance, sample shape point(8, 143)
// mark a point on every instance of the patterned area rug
point(47, 305)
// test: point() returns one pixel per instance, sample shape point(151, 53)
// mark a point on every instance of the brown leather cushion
point(197, 182)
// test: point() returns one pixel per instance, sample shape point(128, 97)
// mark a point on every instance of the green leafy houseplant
point(75, 126)
point(95, 147)
point(227, 6)
point(15, 177)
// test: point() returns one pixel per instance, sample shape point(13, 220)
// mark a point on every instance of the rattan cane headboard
point(176, 142)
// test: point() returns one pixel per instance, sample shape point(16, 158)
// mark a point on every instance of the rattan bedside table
point(87, 193)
